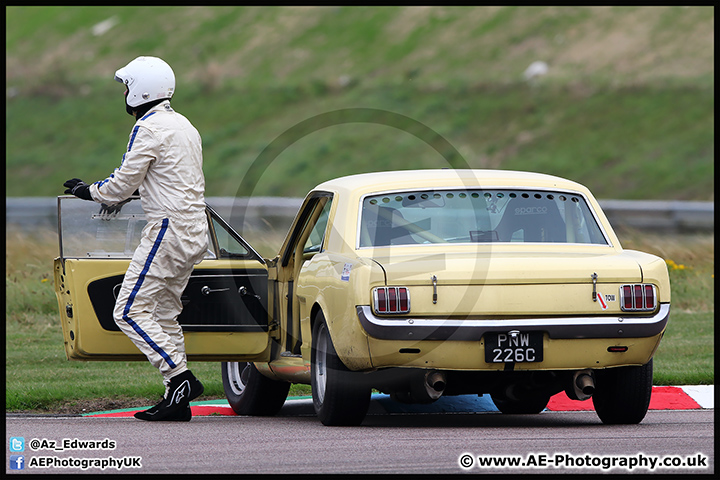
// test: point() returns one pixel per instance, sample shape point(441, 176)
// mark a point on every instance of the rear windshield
point(477, 216)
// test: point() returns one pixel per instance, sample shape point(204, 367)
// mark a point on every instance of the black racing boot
point(176, 407)
point(151, 414)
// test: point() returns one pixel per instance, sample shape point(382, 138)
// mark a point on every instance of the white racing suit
point(164, 162)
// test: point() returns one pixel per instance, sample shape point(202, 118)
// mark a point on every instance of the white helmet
point(147, 79)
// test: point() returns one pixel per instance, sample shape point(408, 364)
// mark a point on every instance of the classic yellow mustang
point(416, 283)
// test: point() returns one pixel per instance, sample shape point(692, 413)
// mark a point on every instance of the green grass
point(686, 355)
point(40, 379)
point(621, 144)
point(627, 103)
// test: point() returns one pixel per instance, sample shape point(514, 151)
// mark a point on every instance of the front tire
point(249, 392)
point(622, 395)
point(339, 396)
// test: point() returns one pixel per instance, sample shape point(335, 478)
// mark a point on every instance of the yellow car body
point(482, 301)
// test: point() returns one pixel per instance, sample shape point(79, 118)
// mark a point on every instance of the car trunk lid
point(511, 283)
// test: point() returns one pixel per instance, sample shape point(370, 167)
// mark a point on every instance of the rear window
point(477, 216)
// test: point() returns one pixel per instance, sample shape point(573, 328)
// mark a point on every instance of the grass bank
point(626, 106)
point(624, 143)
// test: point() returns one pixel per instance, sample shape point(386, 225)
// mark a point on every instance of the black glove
point(78, 188)
point(108, 212)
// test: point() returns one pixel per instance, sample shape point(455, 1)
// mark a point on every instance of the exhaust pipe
point(583, 385)
point(436, 381)
point(423, 387)
point(429, 388)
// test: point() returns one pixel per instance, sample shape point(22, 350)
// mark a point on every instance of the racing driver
point(163, 164)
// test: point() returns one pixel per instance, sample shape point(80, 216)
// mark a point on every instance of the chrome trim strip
point(416, 329)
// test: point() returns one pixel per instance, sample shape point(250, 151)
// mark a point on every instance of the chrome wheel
point(238, 374)
point(321, 364)
point(249, 392)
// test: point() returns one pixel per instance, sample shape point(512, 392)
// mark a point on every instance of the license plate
point(514, 347)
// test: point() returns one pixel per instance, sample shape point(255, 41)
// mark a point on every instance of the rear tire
point(622, 395)
point(249, 392)
point(339, 396)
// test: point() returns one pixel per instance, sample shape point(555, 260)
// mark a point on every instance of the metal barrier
point(277, 213)
point(661, 216)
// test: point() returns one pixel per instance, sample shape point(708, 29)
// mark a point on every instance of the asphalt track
point(436, 438)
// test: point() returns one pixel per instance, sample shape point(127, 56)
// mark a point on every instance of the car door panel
point(212, 300)
point(225, 304)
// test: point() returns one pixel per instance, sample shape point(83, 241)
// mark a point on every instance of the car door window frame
point(292, 259)
point(214, 219)
point(300, 232)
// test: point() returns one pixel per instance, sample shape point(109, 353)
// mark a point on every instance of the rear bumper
point(416, 329)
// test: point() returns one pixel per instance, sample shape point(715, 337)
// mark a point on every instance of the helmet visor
point(123, 76)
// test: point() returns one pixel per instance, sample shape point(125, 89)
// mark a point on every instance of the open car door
point(225, 305)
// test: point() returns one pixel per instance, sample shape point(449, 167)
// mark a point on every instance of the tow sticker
point(345, 277)
point(601, 301)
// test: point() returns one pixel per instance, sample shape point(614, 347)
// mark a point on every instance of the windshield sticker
point(345, 277)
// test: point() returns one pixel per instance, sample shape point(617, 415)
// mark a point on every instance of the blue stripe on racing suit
point(134, 293)
point(132, 140)
point(134, 134)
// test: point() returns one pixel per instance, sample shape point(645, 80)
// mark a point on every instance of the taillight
point(638, 297)
point(626, 297)
point(403, 300)
point(649, 297)
point(381, 303)
point(390, 300)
